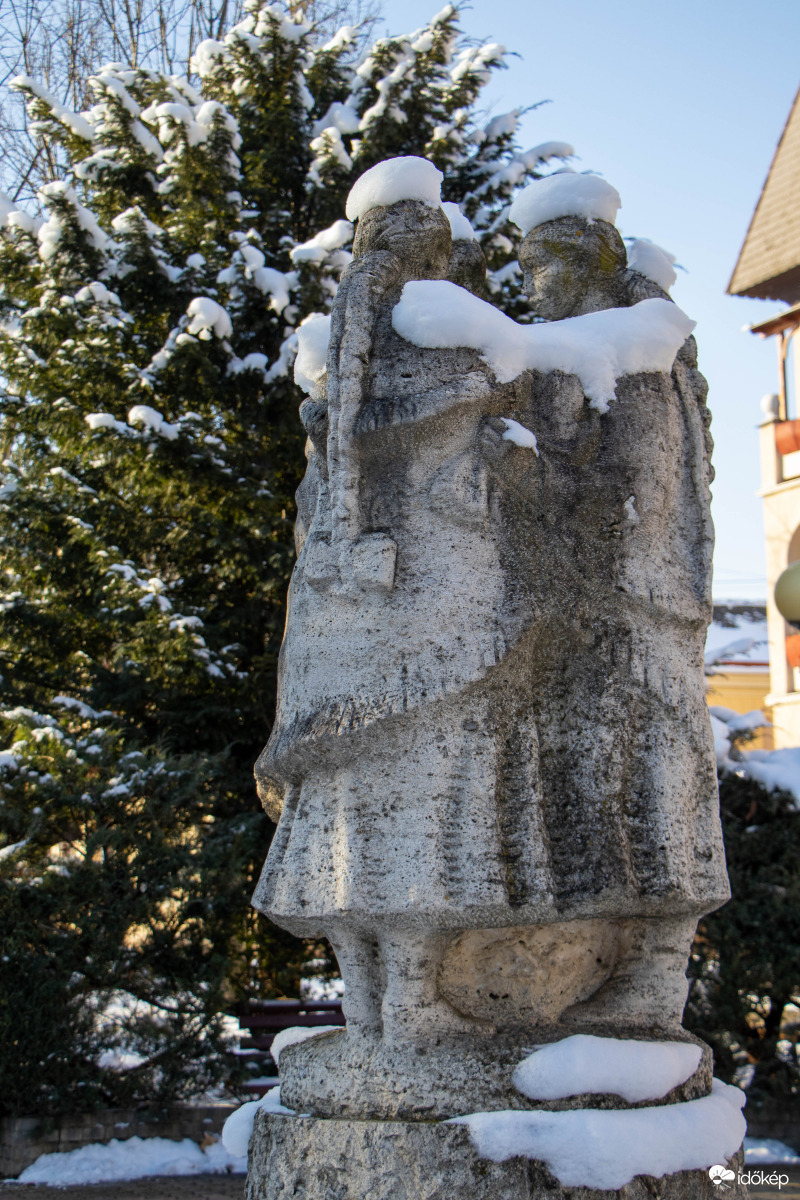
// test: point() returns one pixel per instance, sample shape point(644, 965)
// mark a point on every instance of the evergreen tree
point(151, 450)
point(745, 964)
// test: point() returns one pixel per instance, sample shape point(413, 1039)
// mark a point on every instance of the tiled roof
point(769, 261)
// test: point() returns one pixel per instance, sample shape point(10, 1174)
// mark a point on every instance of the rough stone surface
point(312, 1159)
point(344, 1074)
point(492, 762)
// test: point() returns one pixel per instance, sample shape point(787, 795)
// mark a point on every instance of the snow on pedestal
point(606, 1150)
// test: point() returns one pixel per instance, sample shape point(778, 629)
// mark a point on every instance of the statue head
point(467, 266)
point(418, 235)
point(573, 265)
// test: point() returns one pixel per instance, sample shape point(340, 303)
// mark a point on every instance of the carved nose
point(372, 560)
point(366, 565)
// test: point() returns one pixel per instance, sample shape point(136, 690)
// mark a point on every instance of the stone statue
point(492, 764)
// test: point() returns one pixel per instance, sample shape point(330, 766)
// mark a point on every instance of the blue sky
point(680, 105)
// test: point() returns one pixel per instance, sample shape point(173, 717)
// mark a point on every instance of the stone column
point(492, 761)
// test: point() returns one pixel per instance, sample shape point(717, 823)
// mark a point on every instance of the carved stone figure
point(491, 764)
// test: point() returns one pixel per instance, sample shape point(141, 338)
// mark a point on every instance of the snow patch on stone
point(598, 347)
point(460, 228)
point(651, 260)
point(564, 195)
point(606, 1149)
point(238, 1129)
point(296, 1034)
point(313, 335)
point(406, 178)
point(519, 435)
point(624, 1067)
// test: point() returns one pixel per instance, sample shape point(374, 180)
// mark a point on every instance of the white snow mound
point(651, 260)
point(313, 335)
point(768, 1150)
point(564, 195)
point(460, 227)
point(407, 178)
point(623, 1067)
point(207, 316)
point(295, 1034)
point(598, 347)
point(519, 435)
point(134, 1158)
point(238, 1129)
point(606, 1149)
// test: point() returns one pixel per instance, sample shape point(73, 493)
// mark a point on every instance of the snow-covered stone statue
point(492, 763)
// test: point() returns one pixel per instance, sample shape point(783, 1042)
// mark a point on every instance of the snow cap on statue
point(395, 179)
point(565, 194)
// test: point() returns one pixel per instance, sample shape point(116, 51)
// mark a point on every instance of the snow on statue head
point(572, 255)
point(398, 208)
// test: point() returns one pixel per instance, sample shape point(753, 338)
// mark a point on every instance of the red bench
point(261, 1020)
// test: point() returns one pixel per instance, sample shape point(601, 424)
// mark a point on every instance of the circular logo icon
point(721, 1177)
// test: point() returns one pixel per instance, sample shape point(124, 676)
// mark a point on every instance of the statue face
point(564, 259)
point(412, 232)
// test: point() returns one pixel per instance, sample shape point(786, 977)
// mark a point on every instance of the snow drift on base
point(395, 179)
point(600, 1148)
point(238, 1129)
point(598, 347)
point(564, 195)
point(623, 1067)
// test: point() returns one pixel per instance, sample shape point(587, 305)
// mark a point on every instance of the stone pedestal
point(309, 1158)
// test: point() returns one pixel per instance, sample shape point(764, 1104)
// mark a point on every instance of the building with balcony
point(768, 268)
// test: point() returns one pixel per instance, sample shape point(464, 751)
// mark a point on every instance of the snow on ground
point(737, 638)
point(606, 1149)
point(406, 178)
point(134, 1158)
point(564, 195)
point(598, 347)
point(583, 1063)
point(768, 1150)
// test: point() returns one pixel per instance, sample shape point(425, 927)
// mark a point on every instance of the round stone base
point(312, 1158)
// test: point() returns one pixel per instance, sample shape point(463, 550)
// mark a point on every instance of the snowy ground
point(135, 1158)
point(178, 1165)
